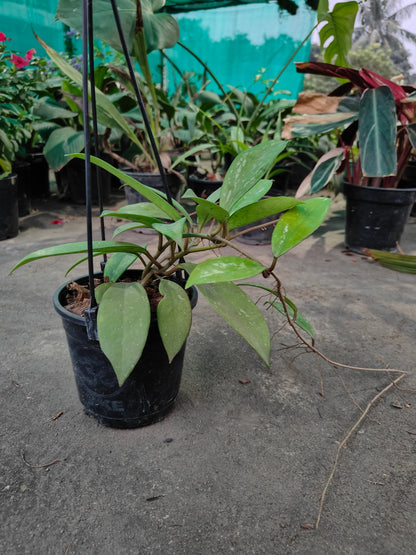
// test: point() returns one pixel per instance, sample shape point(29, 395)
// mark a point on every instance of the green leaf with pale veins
point(239, 311)
point(173, 317)
point(123, 322)
point(224, 268)
point(261, 209)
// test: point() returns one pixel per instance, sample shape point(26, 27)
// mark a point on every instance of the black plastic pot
point(9, 210)
point(70, 181)
point(147, 395)
point(153, 180)
point(203, 187)
point(408, 181)
point(23, 173)
point(39, 183)
point(376, 218)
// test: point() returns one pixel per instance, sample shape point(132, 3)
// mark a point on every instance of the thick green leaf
point(144, 220)
point(49, 109)
point(123, 322)
point(61, 143)
point(241, 313)
point(99, 247)
point(377, 132)
point(143, 209)
point(336, 35)
point(246, 170)
point(101, 289)
point(172, 231)
point(298, 223)
point(144, 190)
point(173, 317)
point(190, 152)
point(207, 210)
point(224, 268)
point(261, 188)
point(70, 13)
point(117, 264)
point(127, 227)
point(261, 209)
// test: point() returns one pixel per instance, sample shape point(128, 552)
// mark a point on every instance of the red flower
point(2, 37)
point(29, 54)
point(18, 61)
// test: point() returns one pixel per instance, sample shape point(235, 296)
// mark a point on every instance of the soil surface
point(240, 464)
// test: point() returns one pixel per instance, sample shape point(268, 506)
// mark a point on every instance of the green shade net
point(239, 43)
point(238, 40)
point(18, 20)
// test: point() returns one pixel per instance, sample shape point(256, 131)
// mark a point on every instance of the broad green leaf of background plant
point(127, 227)
point(161, 30)
point(377, 132)
point(261, 209)
point(107, 113)
point(173, 317)
point(337, 30)
point(117, 264)
point(224, 268)
point(99, 247)
point(61, 143)
point(123, 321)
point(298, 223)
point(70, 13)
point(172, 231)
point(246, 170)
point(239, 311)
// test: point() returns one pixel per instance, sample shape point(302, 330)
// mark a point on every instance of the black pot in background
point(408, 181)
point(203, 187)
point(39, 170)
point(70, 181)
point(153, 180)
point(24, 180)
point(147, 395)
point(376, 217)
point(9, 211)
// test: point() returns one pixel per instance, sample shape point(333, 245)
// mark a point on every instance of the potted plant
point(145, 297)
point(19, 85)
point(374, 148)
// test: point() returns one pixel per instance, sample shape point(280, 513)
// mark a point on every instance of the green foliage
point(124, 313)
point(375, 57)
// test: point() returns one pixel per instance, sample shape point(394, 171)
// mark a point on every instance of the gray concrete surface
point(234, 468)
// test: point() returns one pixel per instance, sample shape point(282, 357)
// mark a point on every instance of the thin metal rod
point(95, 148)
point(85, 26)
point(140, 102)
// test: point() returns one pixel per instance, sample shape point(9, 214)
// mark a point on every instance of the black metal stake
point(140, 102)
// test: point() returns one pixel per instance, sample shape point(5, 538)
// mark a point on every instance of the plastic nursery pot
point(70, 181)
point(151, 180)
point(408, 181)
point(147, 395)
point(39, 184)
point(24, 178)
point(9, 210)
point(203, 187)
point(376, 217)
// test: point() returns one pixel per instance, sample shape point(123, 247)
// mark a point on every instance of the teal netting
point(237, 42)
point(19, 18)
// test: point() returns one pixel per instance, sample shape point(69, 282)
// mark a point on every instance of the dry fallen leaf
point(245, 381)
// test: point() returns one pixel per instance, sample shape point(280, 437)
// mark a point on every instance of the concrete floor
point(235, 468)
